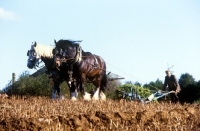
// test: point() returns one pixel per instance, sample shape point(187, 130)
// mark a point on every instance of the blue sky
point(138, 39)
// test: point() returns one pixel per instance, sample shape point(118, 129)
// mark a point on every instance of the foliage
point(111, 87)
point(24, 74)
point(157, 85)
point(189, 94)
point(190, 89)
point(143, 92)
point(64, 89)
point(134, 83)
point(42, 86)
point(137, 83)
point(33, 86)
point(186, 79)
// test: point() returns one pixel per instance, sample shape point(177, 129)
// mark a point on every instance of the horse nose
point(57, 64)
point(30, 65)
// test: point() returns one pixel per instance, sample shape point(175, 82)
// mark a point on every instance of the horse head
point(67, 51)
point(58, 56)
point(40, 51)
point(33, 58)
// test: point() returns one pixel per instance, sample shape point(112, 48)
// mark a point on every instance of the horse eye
point(34, 54)
point(57, 52)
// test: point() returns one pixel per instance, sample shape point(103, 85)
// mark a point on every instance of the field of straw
point(43, 114)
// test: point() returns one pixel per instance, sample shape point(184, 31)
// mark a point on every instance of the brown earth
point(42, 114)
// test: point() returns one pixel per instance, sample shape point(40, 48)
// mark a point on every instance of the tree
point(186, 79)
point(157, 85)
point(190, 89)
point(137, 84)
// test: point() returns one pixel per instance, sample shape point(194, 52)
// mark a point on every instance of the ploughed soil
point(43, 114)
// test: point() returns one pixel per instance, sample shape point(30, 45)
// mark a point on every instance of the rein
point(37, 65)
point(65, 60)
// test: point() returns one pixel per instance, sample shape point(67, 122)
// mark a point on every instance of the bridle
point(59, 52)
point(36, 60)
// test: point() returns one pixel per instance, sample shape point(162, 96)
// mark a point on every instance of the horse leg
point(85, 95)
point(54, 93)
point(73, 91)
point(100, 83)
point(102, 96)
point(59, 93)
point(96, 94)
point(99, 95)
point(76, 86)
point(104, 82)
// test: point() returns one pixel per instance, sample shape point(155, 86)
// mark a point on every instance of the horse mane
point(43, 50)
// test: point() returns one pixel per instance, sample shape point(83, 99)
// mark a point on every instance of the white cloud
point(7, 15)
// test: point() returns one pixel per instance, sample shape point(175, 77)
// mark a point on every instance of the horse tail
point(104, 82)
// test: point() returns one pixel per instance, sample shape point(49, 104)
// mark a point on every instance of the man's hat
point(167, 71)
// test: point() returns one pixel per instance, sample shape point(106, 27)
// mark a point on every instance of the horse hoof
point(95, 98)
point(87, 96)
point(73, 98)
point(102, 96)
point(96, 95)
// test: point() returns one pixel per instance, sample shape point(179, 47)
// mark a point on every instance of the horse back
point(92, 65)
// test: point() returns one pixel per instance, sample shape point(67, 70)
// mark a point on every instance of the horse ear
point(54, 41)
point(35, 44)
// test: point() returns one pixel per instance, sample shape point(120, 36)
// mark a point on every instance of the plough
point(153, 97)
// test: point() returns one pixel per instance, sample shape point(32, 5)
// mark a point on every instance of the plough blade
point(156, 96)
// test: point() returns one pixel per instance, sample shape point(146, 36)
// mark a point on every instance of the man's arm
point(177, 84)
point(176, 81)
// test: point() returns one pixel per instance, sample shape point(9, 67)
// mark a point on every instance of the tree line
point(41, 85)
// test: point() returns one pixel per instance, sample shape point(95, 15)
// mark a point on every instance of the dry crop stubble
point(40, 113)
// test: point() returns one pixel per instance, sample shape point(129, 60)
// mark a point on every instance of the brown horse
point(84, 65)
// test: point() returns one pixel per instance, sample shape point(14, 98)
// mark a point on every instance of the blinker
point(57, 52)
point(61, 51)
point(31, 53)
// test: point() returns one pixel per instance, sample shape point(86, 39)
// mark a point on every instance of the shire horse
point(84, 66)
point(44, 52)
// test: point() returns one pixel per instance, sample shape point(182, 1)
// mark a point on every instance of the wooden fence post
point(13, 78)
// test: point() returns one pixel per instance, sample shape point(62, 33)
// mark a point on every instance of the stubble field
point(43, 114)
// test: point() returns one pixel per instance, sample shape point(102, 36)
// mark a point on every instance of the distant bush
point(34, 86)
point(143, 92)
